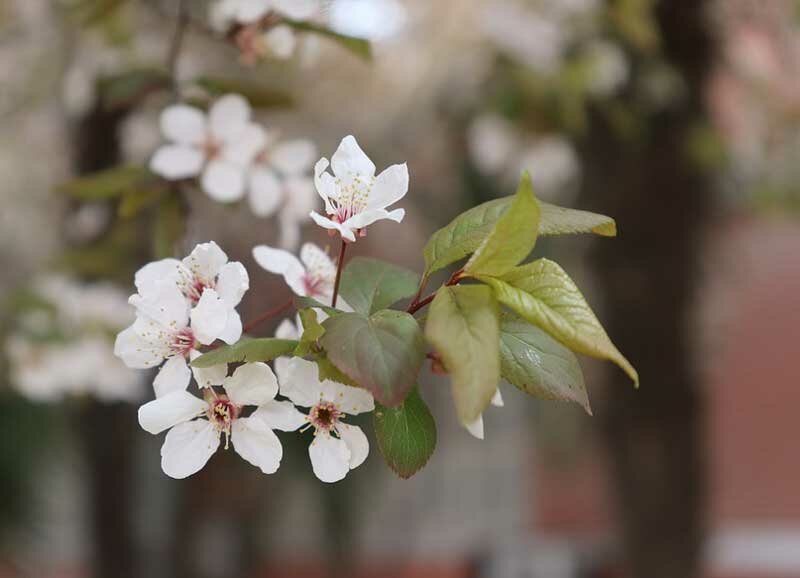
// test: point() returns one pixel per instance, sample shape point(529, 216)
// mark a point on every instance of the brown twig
point(416, 304)
point(268, 315)
point(339, 267)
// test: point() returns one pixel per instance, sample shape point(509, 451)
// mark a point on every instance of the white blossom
point(476, 427)
point(181, 304)
point(280, 182)
point(553, 165)
point(218, 147)
point(338, 447)
point(355, 198)
point(312, 275)
point(609, 68)
point(196, 425)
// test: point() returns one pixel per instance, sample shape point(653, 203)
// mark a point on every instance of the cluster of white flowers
point(234, 157)
point(182, 306)
point(255, 40)
point(63, 348)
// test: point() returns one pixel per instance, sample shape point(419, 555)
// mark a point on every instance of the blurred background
point(679, 118)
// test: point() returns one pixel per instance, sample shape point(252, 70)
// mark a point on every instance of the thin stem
point(339, 267)
point(416, 304)
point(268, 315)
point(177, 43)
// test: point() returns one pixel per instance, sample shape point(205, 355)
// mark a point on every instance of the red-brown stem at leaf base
point(268, 315)
point(416, 305)
point(339, 267)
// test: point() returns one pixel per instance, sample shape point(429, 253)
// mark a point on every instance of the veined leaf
point(406, 434)
point(513, 236)
point(463, 327)
point(312, 331)
point(314, 304)
point(539, 365)
point(358, 46)
point(382, 353)
point(247, 350)
point(466, 232)
point(369, 285)
point(543, 294)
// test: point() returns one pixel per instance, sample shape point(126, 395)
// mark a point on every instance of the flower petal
point(183, 124)
point(294, 157)
point(246, 147)
point(330, 458)
point(356, 442)
point(318, 264)
point(281, 41)
point(300, 198)
point(156, 272)
point(229, 117)
point(497, 400)
point(257, 444)
point(170, 409)
point(233, 328)
point(351, 400)
point(325, 183)
point(390, 186)
point(208, 376)
point(289, 236)
point(206, 261)
point(232, 283)
point(476, 428)
point(266, 192)
point(188, 447)
point(252, 384)
point(209, 317)
point(165, 305)
point(350, 161)
point(223, 181)
point(366, 218)
point(248, 11)
point(281, 415)
point(174, 375)
point(135, 351)
point(283, 263)
point(175, 162)
point(345, 232)
point(302, 384)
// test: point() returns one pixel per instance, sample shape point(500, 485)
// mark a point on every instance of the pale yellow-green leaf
point(543, 294)
point(463, 327)
point(562, 221)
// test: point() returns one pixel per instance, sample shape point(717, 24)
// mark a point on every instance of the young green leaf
point(513, 236)
point(327, 370)
point(258, 94)
point(406, 434)
point(543, 294)
point(169, 226)
point(312, 331)
point(466, 232)
point(369, 285)
point(247, 350)
point(382, 353)
point(539, 365)
point(108, 184)
point(358, 46)
point(313, 303)
point(463, 327)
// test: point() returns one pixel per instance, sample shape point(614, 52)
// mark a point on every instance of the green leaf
point(358, 46)
point(369, 285)
point(247, 350)
point(513, 236)
point(327, 370)
point(538, 365)
point(108, 184)
point(382, 353)
point(134, 202)
point(257, 94)
point(463, 326)
point(562, 221)
point(466, 232)
point(406, 434)
point(312, 331)
point(543, 294)
point(313, 303)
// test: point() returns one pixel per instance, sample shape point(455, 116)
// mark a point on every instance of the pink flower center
point(325, 416)
point(183, 342)
point(194, 290)
point(222, 412)
point(313, 285)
